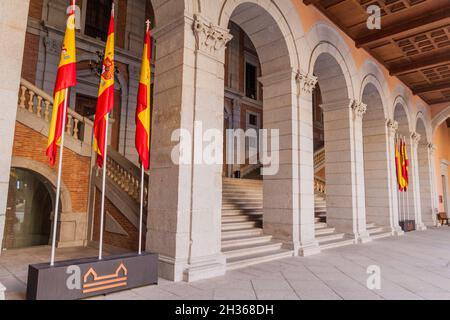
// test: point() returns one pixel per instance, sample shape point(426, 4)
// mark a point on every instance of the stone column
point(434, 196)
point(392, 127)
point(185, 198)
point(13, 23)
point(415, 183)
point(344, 167)
point(308, 244)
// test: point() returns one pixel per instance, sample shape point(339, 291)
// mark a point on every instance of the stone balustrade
point(124, 174)
point(319, 185)
point(40, 104)
point(319, 158)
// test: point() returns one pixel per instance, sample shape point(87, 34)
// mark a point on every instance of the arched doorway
point(29, 211)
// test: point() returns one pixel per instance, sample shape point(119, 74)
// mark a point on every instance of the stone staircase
point(243, 241)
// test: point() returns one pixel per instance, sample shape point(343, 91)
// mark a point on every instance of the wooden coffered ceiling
point(413, 42)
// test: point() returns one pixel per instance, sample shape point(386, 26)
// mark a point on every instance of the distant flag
point(65, 78)
point(143, 111)
point(398, 164)
point(105, 102)
point(405, 166)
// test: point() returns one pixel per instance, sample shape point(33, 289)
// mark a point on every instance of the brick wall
point(130, 242)
point(35, 10)
point(30, 57)
point(75, 174)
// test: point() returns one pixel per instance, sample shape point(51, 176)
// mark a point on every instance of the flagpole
point(141, 212)
point(102, 210)
point(58, 183)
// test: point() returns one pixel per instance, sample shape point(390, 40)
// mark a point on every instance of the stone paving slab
point(413, 267)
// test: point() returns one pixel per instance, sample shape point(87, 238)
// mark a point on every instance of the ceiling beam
point(425, 62)
point(431, 87)
point(308, 2)
point(404, 27)
point(433, 102)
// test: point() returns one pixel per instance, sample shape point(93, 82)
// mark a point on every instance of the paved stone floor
point(414, 266)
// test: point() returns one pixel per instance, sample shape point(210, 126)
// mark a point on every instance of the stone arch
point(400, 108)
point(324, 40)
point(425, 172)
point(376, 154)
point(440, 118)
point(250, 15)
point(270, 33)
point(370, 72)
point(47, 173)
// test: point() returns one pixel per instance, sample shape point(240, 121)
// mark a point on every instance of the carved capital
point(306, 81)
point(415, 138)
point(392, 126)
point(210, 38)
point(359, 109)
point(432, 148)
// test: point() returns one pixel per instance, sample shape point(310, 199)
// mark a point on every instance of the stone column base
point(179, 270)
point(397, 231)
point(2, 292)
point(309, 249)
point(421, 227)
point(363, 237)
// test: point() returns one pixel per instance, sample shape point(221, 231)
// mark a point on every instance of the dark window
point(98, 13)
point(250, 81)
point(252, 120)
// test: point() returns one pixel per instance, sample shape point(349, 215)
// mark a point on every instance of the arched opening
point(343, 214)
point(29, 211)
point(406, 207)
point(376, 163)
point(425, 183)
point(258, 94)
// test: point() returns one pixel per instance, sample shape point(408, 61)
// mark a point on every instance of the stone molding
point(359, 109)
point(209, 38)
point(306, 81)
point(432, 148)
point(52, 45)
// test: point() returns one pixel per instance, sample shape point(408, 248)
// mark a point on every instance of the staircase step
point(373, 230)
point(320, 225)
point(380, 235)
point(246, 250)
point(371, 225)
point(325, 231)
point(226, 235)
point(241, 218)
point(245, 261)
point(240, 225)
point(237, 212)
point(240, 241)
point(331, 237)
point(335, 244)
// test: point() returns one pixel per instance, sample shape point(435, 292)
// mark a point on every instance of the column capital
point(210, 38)
point(306, 81)
point(432, 148)
point(392, 126)
point(359, 109)
point(415, 138)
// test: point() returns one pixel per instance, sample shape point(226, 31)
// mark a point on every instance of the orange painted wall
point(442, 141)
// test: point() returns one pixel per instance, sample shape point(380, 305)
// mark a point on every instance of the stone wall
point(31, 146)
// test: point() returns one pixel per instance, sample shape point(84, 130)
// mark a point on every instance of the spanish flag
point(105, 102)
point(398, 164)
point(143, 111)
point(405, 166)
point(66, 77)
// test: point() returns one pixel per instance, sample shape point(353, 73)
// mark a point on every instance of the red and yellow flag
point(398, 164)
point(143, 111)
point(405, 166)
point(105, 102)
point(66, 77)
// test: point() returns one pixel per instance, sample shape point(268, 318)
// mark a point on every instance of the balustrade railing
point(126, 175)
point(319, 185)
point(40, 104)
point(319, 159)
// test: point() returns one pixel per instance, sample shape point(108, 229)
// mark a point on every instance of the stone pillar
point(281, 209)
point(13, 23)
point(308, 244)
point(185, 199)
point(392, 127)
point(414, 175)
point(344, 167)
point(434, 196)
